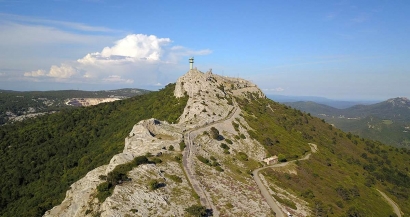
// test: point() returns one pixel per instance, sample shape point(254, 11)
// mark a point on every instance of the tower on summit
point(191, 63)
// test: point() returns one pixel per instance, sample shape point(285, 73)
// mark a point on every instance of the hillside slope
point(388, 121)
point(41, 158)
point(341, 178)
point(202, 164)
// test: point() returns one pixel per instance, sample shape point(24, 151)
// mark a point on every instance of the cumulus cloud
point(137, 57)
point(137, 46)
point(37, 73)
point(63, 71)
point(132, 48)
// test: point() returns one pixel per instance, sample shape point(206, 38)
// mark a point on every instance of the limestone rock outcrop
point(211, 103)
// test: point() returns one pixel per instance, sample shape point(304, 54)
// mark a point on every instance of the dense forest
point(342, 178)
point(40, 158)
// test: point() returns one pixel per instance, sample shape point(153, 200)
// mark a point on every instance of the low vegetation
point(196, 210)
point(174, 178)
point(117, 176)
point(340, 179)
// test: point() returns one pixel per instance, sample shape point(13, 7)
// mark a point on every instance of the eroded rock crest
point(211, 103)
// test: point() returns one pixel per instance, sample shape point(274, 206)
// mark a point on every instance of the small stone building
point(271, 160)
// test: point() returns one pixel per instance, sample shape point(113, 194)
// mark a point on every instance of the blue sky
point(335, 49)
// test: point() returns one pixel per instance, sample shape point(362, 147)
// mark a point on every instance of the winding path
point(396, 208)
point(187, 159)
point(275, 206)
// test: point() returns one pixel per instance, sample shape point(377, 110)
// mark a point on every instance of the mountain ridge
point(201, 160)
point(216, 108)
point(386, 121)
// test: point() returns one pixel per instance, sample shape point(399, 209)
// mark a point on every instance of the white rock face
point(79, 195)
point(210, 96)
point(211, 101)
point(80, 199)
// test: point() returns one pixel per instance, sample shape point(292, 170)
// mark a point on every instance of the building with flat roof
point(271, 160)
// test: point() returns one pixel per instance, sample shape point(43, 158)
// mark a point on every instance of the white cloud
point(71, 25)
point(64, 71)
point(132, 48)
point(147, 59)
point(137, 46)
point(38, 73)
point(277, 89)
point(117, 79)
point(22, 35)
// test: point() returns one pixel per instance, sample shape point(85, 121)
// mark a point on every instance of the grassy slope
point(386, 131)
point(375, 115)
point(339, 179)
point(41, 158)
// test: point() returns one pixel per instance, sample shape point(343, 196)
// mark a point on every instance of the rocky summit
point(211, 104)
point(232, 152)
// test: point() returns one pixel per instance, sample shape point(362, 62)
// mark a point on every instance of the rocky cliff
point(208, 174)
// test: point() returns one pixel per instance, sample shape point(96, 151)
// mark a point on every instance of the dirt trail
point(187, 159)
point(275, 206)
point(395, 207)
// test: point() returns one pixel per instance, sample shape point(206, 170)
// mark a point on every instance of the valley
point(387, 121)
point(19, 105)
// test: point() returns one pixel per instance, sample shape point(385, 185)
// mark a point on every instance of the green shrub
point(104, 190)
point(174, 178)
point(281, 158)
point(215, 133)
point(156, 160)
point(182, 145)
point(229, 141)
point(196, 210)
point(153, 184)
point(171, 148)
point(218, 168)
point(243, 156)
point(140, 160)
point(224, 146)
point(236, 126)
point(203, 160)
point(105, 186)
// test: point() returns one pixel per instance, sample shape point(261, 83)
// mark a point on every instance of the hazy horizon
point(335, 49)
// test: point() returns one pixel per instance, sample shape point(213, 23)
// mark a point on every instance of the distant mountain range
point(387, 121)
point(340, 104)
